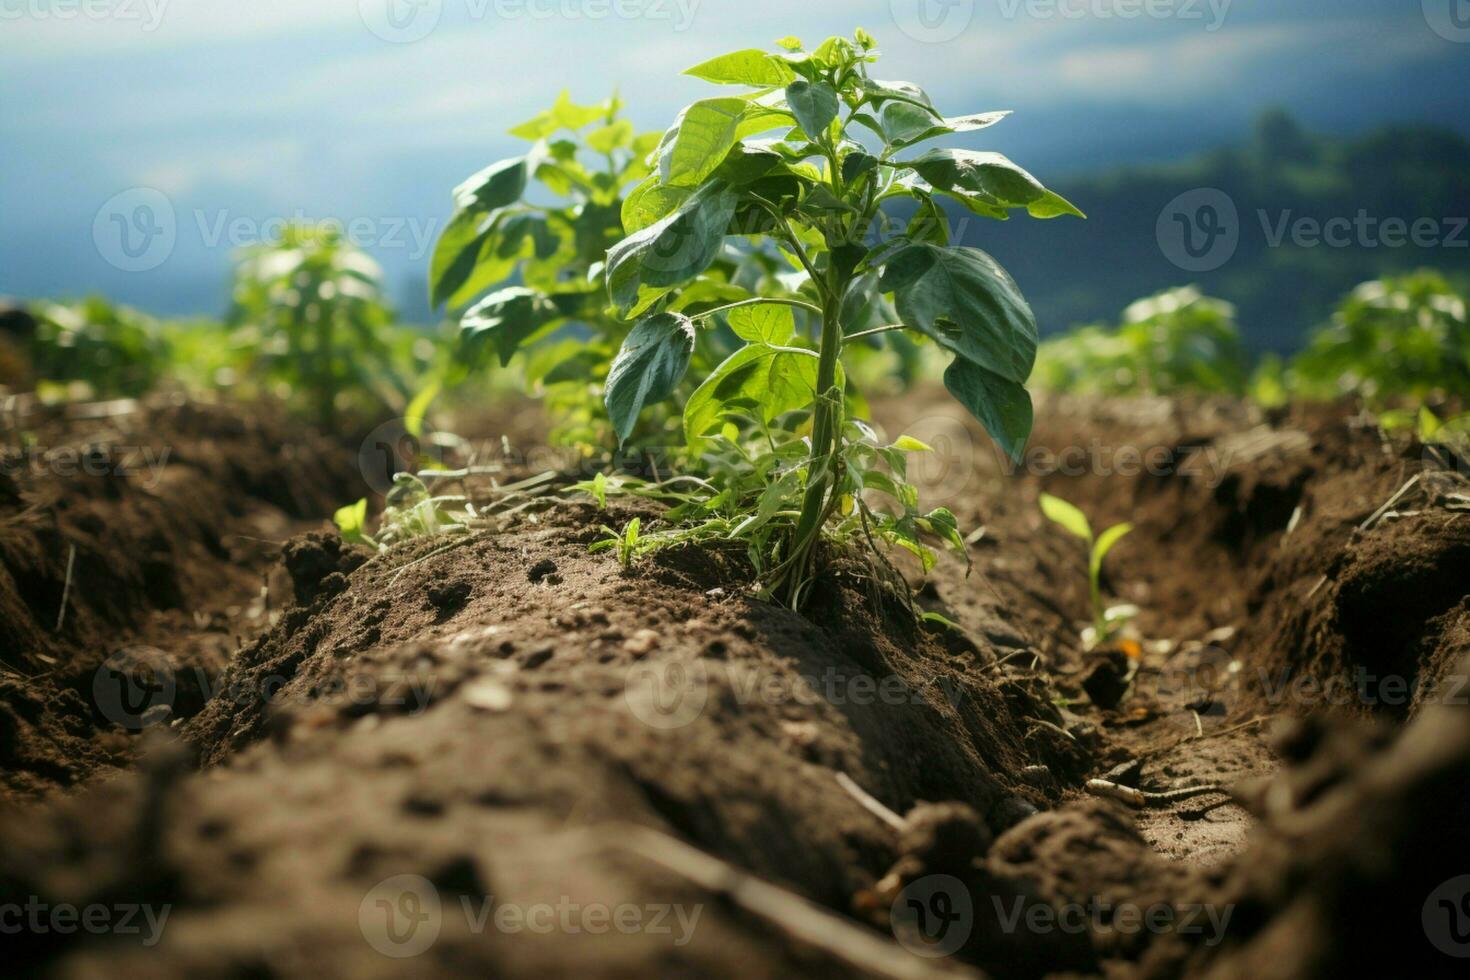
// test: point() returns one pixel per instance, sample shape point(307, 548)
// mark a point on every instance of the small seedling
point(627, 542)
point(1106, 622)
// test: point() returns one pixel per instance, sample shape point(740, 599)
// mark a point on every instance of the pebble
point(641, 642)
point(487, 694)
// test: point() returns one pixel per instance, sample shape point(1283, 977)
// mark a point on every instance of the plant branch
point(874, 331)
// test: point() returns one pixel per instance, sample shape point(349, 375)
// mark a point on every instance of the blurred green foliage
point(109, 351)
point(309, 324)
point(1176, 341)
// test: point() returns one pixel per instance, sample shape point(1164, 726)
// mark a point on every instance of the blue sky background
point(239, 111)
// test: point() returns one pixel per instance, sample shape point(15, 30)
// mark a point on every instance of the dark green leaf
point(991, 177)
point(1001, 405)
point(654, 357)
point(966, 302)
point(671, 251)
point(814, 104)
point(494, 187)
point(510, 317)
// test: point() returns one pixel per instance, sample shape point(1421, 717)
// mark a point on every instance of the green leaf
point(671, 251)
point(653, 358)
point(967, 303)
point(776, 379)
point(814, 104)
point(1105, 542)
point(929, 223)
point(352, 521)
point(767, 323)
point(510, 317)
point(865, 40)
point(418, 410)
point(494, 187)
point(854, 165)
point(991, 177)
point(911, 445)
point(703, 134)
point(456, 253)
point(649, 202)
point(748, 67)
point(877, 91)
point(611, 137)
point(789, 42)
point(905, 123)
point(1059, 511)
point(1001, 405)
point(1053, 205)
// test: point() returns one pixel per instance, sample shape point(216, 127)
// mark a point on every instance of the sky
point(221, 118)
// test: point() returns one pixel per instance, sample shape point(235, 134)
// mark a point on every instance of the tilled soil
point(502, 753)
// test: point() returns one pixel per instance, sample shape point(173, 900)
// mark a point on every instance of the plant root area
point(499, 754)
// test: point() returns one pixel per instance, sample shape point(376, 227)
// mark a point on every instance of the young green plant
point(813, 194)
point(1106, 622)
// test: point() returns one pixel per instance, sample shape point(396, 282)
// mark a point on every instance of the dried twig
point(871, 803)
point(71, 561)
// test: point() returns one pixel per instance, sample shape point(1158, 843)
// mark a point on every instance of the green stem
point(873, 331)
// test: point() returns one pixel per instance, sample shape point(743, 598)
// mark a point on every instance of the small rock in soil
point(641, 642)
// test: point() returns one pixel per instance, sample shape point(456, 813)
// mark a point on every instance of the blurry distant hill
point(1076, 271)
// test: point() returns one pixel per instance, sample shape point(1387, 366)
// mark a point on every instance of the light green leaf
point(649, 202)
point(966, 302)
point(418, 409)
point(905, 123)
point(653, 358)
point(352, 521)
point(611, 137)
point(1000, 404)
point(671, 251)
point(1059, 511)
point(814, 104)
point(789, 42)
point(748, 67)
point(911, 445)
point(767, 323)
point(771, 380)
point(1105, 542)
point(1053, 205)
point(703, 134)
